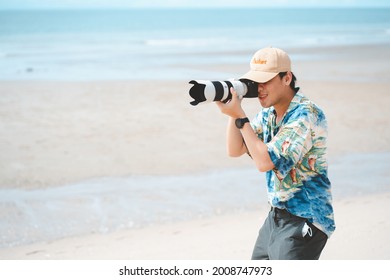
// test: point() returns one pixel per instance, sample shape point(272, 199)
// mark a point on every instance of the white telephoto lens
point(240, 88)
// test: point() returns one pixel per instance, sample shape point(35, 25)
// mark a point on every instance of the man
point(287, 140)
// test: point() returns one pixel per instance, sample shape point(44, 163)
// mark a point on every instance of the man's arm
point(235, 138)
point(257, 149)
point(234, 141)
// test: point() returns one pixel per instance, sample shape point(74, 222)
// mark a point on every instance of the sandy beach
point(56, 134)
point(359, 236)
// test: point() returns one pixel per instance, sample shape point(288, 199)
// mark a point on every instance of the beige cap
point(266, 64)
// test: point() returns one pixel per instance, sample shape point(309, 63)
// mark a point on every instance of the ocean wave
point(189, 42)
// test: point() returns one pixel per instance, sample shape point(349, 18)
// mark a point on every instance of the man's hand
point(233, 107)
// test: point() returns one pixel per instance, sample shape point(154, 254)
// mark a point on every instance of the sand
point(58, 133)
point(359, 236)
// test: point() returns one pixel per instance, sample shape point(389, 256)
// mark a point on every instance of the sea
point(169, 44)
point(164, 44)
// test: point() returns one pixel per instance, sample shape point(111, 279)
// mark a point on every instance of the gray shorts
point(284, 236)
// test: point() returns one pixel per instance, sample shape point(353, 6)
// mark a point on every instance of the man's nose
point(260, 87)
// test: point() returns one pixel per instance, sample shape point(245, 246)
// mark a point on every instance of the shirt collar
point(297, 99)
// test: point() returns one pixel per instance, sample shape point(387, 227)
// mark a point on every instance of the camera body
point(208, 91)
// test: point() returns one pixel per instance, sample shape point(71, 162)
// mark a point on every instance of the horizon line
point(196, 7)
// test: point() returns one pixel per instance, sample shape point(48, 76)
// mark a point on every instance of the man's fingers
point(234, 93)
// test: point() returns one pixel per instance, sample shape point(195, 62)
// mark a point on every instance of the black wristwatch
point(240, 122)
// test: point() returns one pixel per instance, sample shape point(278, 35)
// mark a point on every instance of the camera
point(209, 91)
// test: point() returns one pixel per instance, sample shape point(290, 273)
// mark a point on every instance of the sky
point(77, 4)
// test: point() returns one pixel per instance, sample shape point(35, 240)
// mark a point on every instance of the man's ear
point(287, 78)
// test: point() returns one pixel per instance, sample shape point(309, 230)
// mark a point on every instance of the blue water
point(168, 43)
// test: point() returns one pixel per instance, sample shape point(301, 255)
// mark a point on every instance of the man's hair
point(293, 80)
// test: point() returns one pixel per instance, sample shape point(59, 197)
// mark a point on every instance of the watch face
point(240, 122)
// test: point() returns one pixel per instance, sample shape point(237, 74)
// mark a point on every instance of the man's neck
point(283, 105)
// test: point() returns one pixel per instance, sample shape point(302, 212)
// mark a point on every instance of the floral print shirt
point(297, 146)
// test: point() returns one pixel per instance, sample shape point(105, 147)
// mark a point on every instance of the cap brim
point(259, 76)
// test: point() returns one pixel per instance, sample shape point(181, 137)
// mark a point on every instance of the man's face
point(271, 92)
